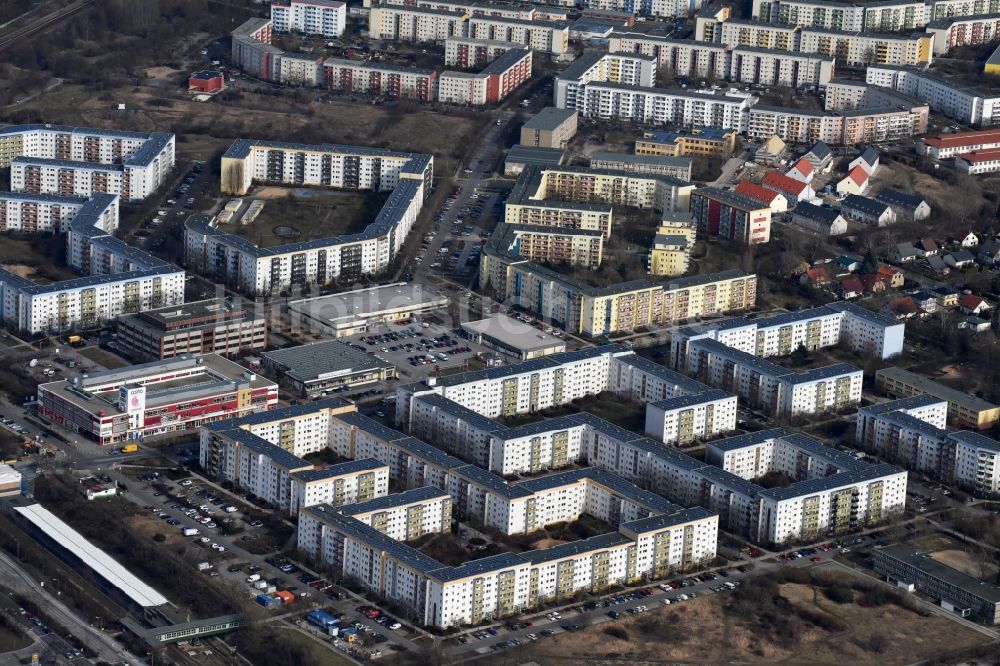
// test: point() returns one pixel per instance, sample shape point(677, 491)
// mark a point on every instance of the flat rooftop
point(96, 559)
point(549, 118)
point(324, 360)
point(928, 565)
point(937, 389)
point(361, 304)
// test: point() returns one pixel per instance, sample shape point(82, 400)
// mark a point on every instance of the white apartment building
point(252, 270)
point(684, 419)
point(662, 106)
point(415, 24)
point(766, 67)
point(505, 584)
point(763, 385)
point(913, 432)
point(735, 33)
point(947, 146)
point(31, 213)
point(345, 483)
point(967, 105)
point(844, 128)
point(964, 31)
point(377, 78)
point(978, 163)
point(544, 36)
point(406, 515)
point(683, 57)
point(636, 70)
point(859, 329)
point(311, 17)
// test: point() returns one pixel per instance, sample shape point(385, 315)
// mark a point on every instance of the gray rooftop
point(549, 118)
point(928, 565)
point(321, 360)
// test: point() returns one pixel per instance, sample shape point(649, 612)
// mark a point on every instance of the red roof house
point(972, 304)
point(776, 200)
point(802, 170)
point(794, 190)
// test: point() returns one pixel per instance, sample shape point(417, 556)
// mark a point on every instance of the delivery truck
point(130, 448)
point(190, 531)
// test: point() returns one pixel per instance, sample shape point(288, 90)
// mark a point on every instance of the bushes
point(616, 632)
point(839, 595)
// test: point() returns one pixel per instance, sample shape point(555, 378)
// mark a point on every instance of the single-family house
point(867, 160)
point(988, 252)
point(902, 253)
point(908, 207)
point(771, 151)
point(926, 247)
point(972, 304)
point(775, 200)
point(802, 170)
point(820, 157)
point(894, 277)
point(874, 284)
point(965, 238)
point(851, 288)
point(847, 263)
point(925, 300)
point(946, 296)
point(794, 190)
point(936, 265)
point(902, 307)
point(959, 259)
point(974, 324)
point(817, 276)
point(822, 220)
point(867, 211)
point(855, 182)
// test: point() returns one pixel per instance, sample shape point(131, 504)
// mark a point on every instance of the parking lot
point(420, 350)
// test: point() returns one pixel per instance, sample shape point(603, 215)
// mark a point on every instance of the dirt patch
point(966, 562)
point(20, 270)
point(160, 72)
point(546, 543)
point(707, 631)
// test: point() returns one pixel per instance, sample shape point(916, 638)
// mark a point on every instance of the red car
point(816, 559)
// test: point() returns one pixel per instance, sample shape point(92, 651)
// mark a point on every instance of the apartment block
point(964, 31)
point(947, 146)
point(627, 69)
point(415, 24)
point(489, 86)
point(734, 32)
point(404, 516)
point(676, 167)
point(555, 245)
point(544, 36)
point(345, 483)
point(253, 270)
point(311, 17)
point(252, 49)
point(213, 326)
point(967, 105)
point(732, 216)
point(683, 419)
point(845, 128)
point(663, 106)
point(48, 213)
point(469, 53)
point(682, 57)
point(670, 254)
point(766, 67)
point(380, 79)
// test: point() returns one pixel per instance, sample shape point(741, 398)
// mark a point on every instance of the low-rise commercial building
point(215, 326)
point(704, 141)
point(965, 410)
point(550, 128)
point(359, 310)
point(979, 162)
point(514, 338)
point(153, 398)
point(957, 592)
point(320, 367)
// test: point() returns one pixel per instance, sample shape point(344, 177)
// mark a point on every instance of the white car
point(185, 482)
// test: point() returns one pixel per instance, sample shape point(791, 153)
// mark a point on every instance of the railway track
point(43, 23)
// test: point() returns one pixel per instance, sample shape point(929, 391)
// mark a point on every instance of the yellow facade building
point(670, 254)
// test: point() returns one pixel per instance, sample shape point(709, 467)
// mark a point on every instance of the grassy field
point(318, 655)
point(40, 257)
point(10, 641)
point(309, 214)
point(103, 358)
point(709, 630)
